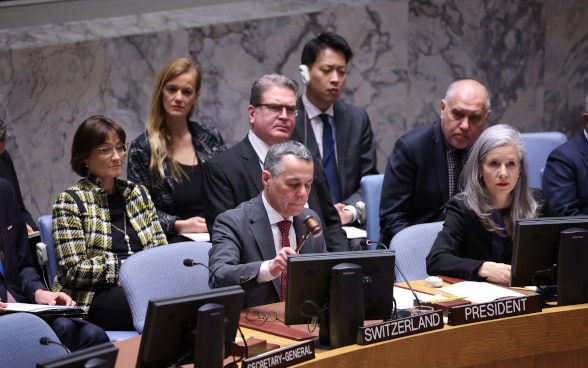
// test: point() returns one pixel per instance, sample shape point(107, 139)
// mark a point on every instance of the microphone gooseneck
point(188, 262)
point(46, 341)
point(312, 227)
point(379, 244)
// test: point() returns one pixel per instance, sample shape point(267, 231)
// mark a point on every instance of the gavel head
point(312, 225)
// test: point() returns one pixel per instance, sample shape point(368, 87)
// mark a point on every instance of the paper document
point(405, 299)
point(40, 308)
point(354, 232)
point(479, 292)
point(197, 236)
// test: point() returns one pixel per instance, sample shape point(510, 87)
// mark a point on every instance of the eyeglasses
point(291, 111)
point(109, 151)
point(259, 318)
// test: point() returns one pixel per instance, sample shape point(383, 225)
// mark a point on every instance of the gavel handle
point(301, 242)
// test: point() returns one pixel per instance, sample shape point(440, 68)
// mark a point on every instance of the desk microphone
point(312, 227)
point(188, 262)
point(47, 340)
point(380, 245)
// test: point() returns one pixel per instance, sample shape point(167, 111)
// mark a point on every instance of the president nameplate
point(283, 357)
point(495, 309)
point(396, 328)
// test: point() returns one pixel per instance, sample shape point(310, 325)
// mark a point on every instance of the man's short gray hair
point(273, 160)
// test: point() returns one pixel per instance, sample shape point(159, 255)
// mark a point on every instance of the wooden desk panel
point(556, 337)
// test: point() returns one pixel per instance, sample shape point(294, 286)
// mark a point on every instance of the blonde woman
point(168, 157)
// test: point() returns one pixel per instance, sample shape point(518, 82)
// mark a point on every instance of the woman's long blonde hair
point(158, 133)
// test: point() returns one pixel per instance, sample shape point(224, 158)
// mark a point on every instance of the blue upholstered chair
point(371, 191)
point(160, 272)
point(20, 346)
point(412, 244)
point(47, 238)
point(539, 145)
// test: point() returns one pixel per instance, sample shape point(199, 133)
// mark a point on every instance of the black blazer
point(356, 146)
point(463, 244)
point(234, 176)
point(20, 275)
point(416, 181)
point(8, 172)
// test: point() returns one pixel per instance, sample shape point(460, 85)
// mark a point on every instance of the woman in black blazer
point(476, 240)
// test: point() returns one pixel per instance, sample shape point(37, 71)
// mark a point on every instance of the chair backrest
point(159, 272)
point(412, 244)
point(539, 145)
point(19, 341)
point(371, 191)
point(47, 238)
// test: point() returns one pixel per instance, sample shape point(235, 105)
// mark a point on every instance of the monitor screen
point(309, 281)
point(536, 246)
point(99, 356)
point(170, 322)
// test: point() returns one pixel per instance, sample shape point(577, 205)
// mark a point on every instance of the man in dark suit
point(331, 128)
point(234, 176)
point(424, 169)
point(248, 243)
point(19, 281)
point(565, 176)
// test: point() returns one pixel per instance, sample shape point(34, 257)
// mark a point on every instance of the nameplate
point(499, 308)
point(283, 357)
point(393, 329)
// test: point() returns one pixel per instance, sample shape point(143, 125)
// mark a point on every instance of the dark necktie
point(329, 160)
point(459, 162)
point(284, 227)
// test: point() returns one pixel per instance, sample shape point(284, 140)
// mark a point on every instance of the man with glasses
point(424, 169)
point(339, 134)
point(234, 176)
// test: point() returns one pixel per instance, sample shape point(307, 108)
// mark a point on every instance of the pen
point(447, 299)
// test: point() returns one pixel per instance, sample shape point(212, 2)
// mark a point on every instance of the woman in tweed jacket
point(168, 157)
point(99, 222)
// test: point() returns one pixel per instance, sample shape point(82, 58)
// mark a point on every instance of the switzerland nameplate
point(396, 328)
point(499, 308)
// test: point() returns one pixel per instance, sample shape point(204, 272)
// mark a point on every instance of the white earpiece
point(304, 75)
point(42, 253)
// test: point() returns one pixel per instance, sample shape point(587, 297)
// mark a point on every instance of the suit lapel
point(343, 134)
point(252, 164)
point(582, 144)
point(438, 156)
point(304, 130)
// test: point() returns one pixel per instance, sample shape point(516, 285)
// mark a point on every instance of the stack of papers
point(479, 292)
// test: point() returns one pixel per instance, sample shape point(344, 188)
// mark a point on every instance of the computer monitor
point(170, 325)
point(536, 249)
point(99, 356)
point(309, 285)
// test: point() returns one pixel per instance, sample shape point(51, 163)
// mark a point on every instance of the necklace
point(127, 238)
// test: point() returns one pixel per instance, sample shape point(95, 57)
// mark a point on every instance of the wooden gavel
point(312, 227)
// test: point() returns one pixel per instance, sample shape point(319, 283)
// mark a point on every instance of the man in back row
point(234, 176)
point(565, 176)
point(337, 133)
point(424, 169)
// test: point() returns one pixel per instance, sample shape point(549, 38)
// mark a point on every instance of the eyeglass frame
point(121, 149)
point(291, 111)
point(269, 316)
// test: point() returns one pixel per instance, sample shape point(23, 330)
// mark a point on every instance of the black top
point(116, 205)
point(188, 193)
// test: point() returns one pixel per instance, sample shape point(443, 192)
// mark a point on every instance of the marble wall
point(532, 55)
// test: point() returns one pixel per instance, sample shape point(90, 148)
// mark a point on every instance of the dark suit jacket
point(21, 277)
point(356, 147)
point(234, 176)
point(8, 172)
point(463, 244)
point(565, 178)
point(242, 239)
point(416, 181)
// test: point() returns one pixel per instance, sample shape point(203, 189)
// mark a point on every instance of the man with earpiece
point(338, 134)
